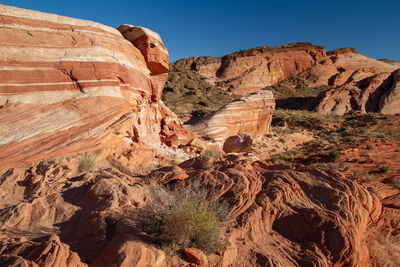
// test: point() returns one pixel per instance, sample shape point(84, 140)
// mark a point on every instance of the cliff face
point(248, 71)
point(69, 86)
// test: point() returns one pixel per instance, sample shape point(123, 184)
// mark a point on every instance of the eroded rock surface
point(70, 86)
point(282, 215)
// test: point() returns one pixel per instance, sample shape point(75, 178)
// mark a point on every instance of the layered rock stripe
point(250, 115)
point(65, 82)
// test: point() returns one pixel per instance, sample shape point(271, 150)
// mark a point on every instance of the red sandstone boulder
point(196, 256)
point(238, 143)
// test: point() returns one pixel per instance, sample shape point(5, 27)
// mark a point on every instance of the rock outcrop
point(249, 115)
point(70, 86)
point(290, 215)
point(376, 93)
point(360, 83)
point(250, 70)
point(282, 215)
point(47, 251)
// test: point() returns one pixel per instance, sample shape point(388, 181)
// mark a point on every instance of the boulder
point(249, 115)
point(196, 256)
point(238, 143)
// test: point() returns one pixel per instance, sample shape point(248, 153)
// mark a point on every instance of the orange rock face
point(361, 84)
point(70, 86)
point(249, 115)
point(247, 71)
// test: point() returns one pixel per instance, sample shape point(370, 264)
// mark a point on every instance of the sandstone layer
point(71, 86)
point(249, 115)
point(248, 71)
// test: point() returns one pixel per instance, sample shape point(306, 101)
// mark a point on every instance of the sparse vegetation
point(365, 154)
point(86, 163)
point(383, 168)
point(209, 156)
point(189, 217)
point(333, 155)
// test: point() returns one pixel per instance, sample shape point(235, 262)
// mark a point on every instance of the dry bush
point(385, 248)
point(86, 163)
point(189, 217)
point(209, 156)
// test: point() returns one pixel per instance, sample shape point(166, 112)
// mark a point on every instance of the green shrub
point(383, 168)
point(282, 140)
point(86, 164)
point(364, 154)
point(369, 147)
point(186, 218)
point(333, 155)
point(209, 156)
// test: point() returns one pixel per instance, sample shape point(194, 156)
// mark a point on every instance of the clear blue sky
point(215, 28)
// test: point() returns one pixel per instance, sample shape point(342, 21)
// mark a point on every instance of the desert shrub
point(189, 217)
point(369, 147)
point(364, 154)
point(282, 140)
point(384, 246)
point(282, 157)
point(209, 156)
point(383, 168)
point(86, 163)
point(334, 155)
point(269, 135)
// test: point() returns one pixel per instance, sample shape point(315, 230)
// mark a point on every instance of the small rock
point(196, 256)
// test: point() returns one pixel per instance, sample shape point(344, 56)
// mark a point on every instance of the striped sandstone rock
point(250, 115)
point(69, 86)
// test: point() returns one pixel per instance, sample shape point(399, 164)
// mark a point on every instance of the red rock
point(291, 215)
point(248, 71)
point(238, 143)
point(70, 86)
point(46, 251)
point(249, 115)
point(196, 256)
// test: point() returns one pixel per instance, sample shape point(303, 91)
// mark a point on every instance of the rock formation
point(288, 215)
point(248, 71)
point(71, 86)
point(361, 84)
point(249, 115)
